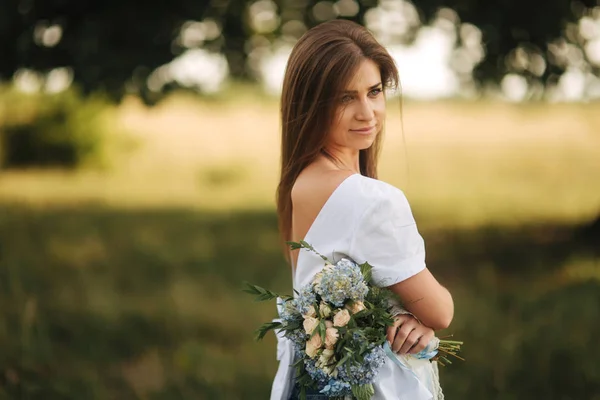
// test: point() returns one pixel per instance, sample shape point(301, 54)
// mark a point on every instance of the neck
point(343, 159)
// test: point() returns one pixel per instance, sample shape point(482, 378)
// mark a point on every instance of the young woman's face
point(361, 110)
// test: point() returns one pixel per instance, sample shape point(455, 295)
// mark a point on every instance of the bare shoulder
point(311, 191)
point(314, 186)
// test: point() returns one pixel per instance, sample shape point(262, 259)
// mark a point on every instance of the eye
point(375, 92)
point(346, 99)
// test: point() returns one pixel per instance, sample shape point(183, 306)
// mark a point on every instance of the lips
point(364, 130)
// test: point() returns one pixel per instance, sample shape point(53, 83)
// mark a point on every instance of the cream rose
point(325, 310)
point(313, 345)
point(311, 312)
point(328, 324)
point(357, 306)
point(341, 318)
point(331, 337)
point(310, 324)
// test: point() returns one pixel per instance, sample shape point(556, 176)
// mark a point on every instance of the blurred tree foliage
point(114, 45)
point(52, 130)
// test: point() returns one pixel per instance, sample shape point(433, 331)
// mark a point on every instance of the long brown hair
point(321, 64)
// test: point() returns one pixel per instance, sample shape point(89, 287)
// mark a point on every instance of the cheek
point(335, 133)
point(379, 107)
point(343, 120)
point(347, 117)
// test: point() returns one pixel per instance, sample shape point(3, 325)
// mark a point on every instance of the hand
point(408, 336)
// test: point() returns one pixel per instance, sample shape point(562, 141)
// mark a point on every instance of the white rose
point(311, 312)
point(325, 358)
point(341, 318)
point(313, 345)
point(331, 337)
point(356, 306)
point(310, 324)
point(325, 310)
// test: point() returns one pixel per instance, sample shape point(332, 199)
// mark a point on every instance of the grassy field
point(125, 283)
point(461, 164)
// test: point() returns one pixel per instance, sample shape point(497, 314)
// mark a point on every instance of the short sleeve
point(387, 237)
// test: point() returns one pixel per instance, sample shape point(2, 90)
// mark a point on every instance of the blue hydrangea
point(336, 388)
point(365, 372)
point(298, 337)
point(289, 311)
point(306, 298)
point(299, 350)
point(317, 374)
point(342, 282)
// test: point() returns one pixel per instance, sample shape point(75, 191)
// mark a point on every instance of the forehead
point(366, 75)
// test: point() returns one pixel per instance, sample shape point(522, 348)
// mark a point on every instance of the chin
point(366, 143)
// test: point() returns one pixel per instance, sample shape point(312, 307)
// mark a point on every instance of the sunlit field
point(123, 282)
point(459, 164)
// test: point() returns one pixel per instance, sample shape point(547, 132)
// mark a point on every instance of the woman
point(332, 113)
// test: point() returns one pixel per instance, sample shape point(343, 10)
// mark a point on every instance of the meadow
point(124, 282)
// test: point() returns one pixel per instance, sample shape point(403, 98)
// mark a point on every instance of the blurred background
point(139, 158)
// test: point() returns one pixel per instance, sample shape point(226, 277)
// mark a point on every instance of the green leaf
point(342, 361)
point(261, 294)
point(363, 313)
point(294, 245)
point(303, 393)
point(293, 325)
point(298, 362)
point(366, 271)
point(306, 245)
point(262, 331)
point(363, 392)
point(322, 330)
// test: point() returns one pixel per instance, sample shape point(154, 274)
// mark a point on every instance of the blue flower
point(316, 373)
point(289, 311)
point(298, 337)
point(364, 373)
point(306, 298)
point(336, 388)
point(342, 282)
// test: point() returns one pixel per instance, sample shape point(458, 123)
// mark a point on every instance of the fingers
point(403, 332)
point(412, 339)
point(423, 342)
point(391, 331)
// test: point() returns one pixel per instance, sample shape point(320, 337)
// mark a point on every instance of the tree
point(115, 45)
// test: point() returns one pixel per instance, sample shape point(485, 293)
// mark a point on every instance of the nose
point(365, 111)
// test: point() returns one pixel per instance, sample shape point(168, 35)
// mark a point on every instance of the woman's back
point(311, 191)
point(352, 206)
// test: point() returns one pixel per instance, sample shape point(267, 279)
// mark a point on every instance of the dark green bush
point(50, 130)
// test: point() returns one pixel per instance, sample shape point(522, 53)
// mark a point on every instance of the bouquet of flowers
point(338, 325)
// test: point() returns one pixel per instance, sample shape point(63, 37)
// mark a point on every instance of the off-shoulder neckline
point(322, 211)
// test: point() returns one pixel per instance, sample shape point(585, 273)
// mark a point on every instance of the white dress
point(366, 220)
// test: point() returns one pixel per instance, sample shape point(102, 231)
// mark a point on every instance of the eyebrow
point(370, 88)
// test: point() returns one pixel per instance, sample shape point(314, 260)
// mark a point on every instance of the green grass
point(105, 303)
point(125, 282)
